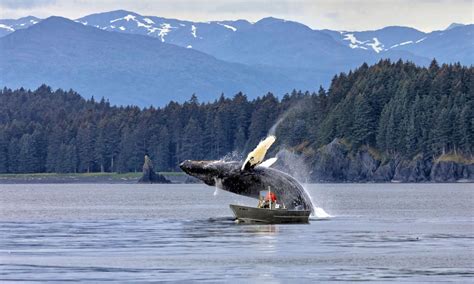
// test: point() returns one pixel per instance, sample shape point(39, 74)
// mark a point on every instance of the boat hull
point(248, 214)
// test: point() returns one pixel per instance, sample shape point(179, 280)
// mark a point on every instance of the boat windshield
point(263, 193)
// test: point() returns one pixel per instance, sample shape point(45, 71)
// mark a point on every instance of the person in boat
point(270, 198)
point(261, 202)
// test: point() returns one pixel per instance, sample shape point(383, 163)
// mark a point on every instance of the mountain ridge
point(270, 55)
point(57, 52)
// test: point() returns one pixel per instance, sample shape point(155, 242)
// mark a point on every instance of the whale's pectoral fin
point(268, 163)
point(258, 154)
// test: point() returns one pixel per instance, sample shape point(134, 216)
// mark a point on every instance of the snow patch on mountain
point(2, 26)
point(229, 27)
point(420, 40)
point(377, 46)
point(165, 29)
point(352, 39)
point(126, 18)
point(354, 42)
point(140, 24)
point(148, 21)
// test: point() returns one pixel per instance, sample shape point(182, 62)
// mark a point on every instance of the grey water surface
point(126, 233)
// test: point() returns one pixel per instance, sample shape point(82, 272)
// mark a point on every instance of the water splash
point(231, 156)
point(295, 165)
point(218, 185)
point(319, 213)
point(272, 130)
point(295, 108)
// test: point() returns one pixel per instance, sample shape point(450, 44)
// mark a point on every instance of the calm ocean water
point(97, 232)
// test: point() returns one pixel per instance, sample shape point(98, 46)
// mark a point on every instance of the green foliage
point(391, 108)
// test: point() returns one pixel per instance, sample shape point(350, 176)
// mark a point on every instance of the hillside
point(125, 68)
point(389, 121)
point(272, 41)
point(136, 59)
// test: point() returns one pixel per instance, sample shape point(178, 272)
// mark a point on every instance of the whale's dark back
point(250, 182)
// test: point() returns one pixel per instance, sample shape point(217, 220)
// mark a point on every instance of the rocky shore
point(335, 162)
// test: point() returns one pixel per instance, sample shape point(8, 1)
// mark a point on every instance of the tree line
point(396, 107)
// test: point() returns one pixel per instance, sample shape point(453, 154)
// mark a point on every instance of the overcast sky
point(426, 15)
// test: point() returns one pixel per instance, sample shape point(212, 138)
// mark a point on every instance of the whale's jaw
point(209, 171)
point(201, 170)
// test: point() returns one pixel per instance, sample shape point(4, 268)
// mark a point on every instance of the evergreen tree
point(3, 152)
point(363, 128)
point(86, 147)
point(191, 145)
point(441, 132)
point(13, 156)
point(401, 109)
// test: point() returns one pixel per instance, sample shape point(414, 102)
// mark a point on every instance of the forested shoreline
point(393, 109)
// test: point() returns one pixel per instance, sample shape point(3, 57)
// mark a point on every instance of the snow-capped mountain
point(451, 45)
point(379, 40)
point(268, 55)
point(183, 33)
point(126, 68)
point(277, 42)
point(310, 56)
point(264, 43)
point(8, 26)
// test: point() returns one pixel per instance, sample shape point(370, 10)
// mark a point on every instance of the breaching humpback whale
point(251, 177)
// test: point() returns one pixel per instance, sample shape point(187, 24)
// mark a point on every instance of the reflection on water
point(261, 229)
point(148, 233)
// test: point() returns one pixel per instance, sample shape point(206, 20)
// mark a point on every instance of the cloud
point(25, 4)
point(426, 15)
point(332, 15)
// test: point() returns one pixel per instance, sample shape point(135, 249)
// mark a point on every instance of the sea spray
point(231, 156)
point(299, 106)
point(218, 185)
point(294, 165)
point(276, 124)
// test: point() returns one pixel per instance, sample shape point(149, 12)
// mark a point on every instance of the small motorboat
point(248, 214)
point(269, 211)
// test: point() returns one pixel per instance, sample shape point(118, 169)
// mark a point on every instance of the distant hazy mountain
point(8, 26)
point(271, 54)
point(183, 33)
point(378, 40)
point(277, 42)
point(456, 43)
point(273, 41)
point(304, 55)
point(122, 67)
point(453, 45)
point(454, 25)
point(307, 56)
